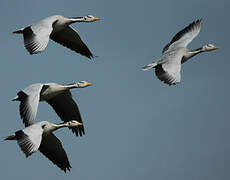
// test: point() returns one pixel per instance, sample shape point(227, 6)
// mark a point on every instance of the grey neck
point(71, 86)
point(60, 125)
point(190, 54)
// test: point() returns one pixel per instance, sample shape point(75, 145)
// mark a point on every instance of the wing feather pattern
point(29, 98)
point(185, 36)
point(36, 38)
point(168, 76)
point(67, 110)
point(52, 148)
point(29, 139)
point(69, 38)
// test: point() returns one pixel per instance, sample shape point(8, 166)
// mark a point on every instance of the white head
point(90, 18)
point(209, 47)
point(82, 84)
point(73, 123)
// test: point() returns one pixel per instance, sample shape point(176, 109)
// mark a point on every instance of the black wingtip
point(91, 56)
point(79, 130)
point(66, 169)
point(199, 21)
point(195, 22)
point(20, 31)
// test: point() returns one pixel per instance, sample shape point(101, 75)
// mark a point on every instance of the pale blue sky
point(136, 126)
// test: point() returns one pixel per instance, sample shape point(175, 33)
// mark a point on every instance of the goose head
point(82, 84)
point(90, 18)
point(73, 123)
point(209, 47)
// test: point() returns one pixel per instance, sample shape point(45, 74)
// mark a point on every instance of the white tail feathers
point(149, 66)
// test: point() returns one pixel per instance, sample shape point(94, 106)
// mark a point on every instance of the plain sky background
point(136, 126)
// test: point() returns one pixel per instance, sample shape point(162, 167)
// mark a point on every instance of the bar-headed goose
point(57, 95)
point(168, 66)
point(39, 136)
point(36, 36)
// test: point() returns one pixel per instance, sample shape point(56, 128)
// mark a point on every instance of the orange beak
point(215, 48)
point(79, 124)
point(96, 18)
point(89, 84)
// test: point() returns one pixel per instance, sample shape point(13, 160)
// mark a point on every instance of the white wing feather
point(29, 139)
point(29, 105)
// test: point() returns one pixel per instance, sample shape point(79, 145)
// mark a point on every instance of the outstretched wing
point(67, 110)
point(52, 148)
point(69, 38)
point(185, 36)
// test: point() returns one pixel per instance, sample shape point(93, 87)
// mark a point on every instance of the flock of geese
point(39, 135)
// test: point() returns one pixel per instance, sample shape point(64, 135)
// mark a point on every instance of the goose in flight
point(39, 136)
point(168, 66)
point(36, 36)
point(56, 95)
